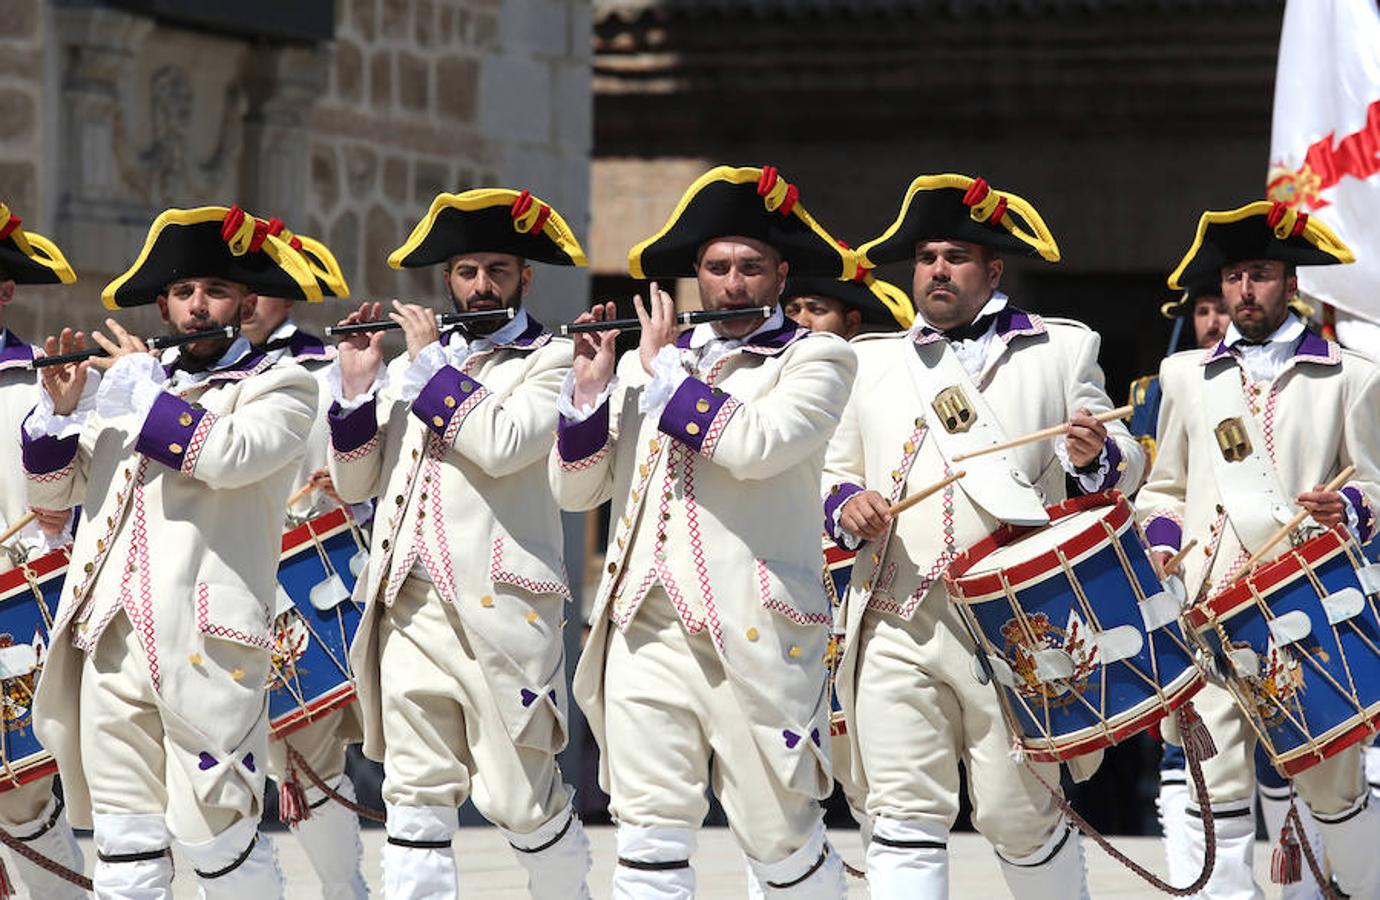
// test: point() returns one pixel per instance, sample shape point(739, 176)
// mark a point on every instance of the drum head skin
point(1063, 607)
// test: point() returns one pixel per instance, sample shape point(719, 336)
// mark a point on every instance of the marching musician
point(153, 699)
point(30, 812)
point(1247, 431)
point(705, 668)
point(328, 832)
point(1202, 305)
point(459, 658)
point(846, 308)
point(914, 707)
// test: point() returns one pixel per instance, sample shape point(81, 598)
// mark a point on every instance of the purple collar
point(767, 343)
point(304, 346)
point(533, 336)
point(1310, 348)
point(1011, 323)
point(14, 352)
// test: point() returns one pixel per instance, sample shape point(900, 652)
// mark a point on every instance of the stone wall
point(117, 117)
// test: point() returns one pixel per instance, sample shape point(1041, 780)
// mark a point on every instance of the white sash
point(993, 481)
point(1252, 494)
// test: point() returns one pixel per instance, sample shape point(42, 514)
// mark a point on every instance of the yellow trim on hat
point(289, 260)
point(323, 264)
point(1038, 235)
point(740, 175)
point(555, 229)
point(1315, 232)
point(39, 249)
point(897, 301)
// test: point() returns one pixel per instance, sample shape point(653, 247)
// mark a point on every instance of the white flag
point(1325, 141)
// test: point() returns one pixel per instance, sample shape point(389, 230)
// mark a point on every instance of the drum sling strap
point(960, 421)
point(1247, 482)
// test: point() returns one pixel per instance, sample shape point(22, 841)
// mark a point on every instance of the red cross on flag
point(1325, 149)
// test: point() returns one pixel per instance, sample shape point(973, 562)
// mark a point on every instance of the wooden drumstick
point(303, 491)
point(1122, 412)
point(18, 526)
point(1171, 565)
point(1295, 522)
point(921, 495)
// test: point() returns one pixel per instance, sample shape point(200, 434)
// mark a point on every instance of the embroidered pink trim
point(500, 574)
point(197, 442)
point(50, 477)
point(780, 606)
point(359, 452)
point(206, 626)
point(461, 412)
point(589, 462)
point(716, 427)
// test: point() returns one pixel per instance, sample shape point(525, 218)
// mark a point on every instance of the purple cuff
point(691, 411)
point(1162, 531)
point(446, 394)
point(1365, 518)
point(839, 494)
point(172, 432)
point(352, 430)
point(579, 440)
point(1114, 466)
point(48, 454)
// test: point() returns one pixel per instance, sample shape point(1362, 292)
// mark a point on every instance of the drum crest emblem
point(17, 694)
point(290, 639)
point(1278, 683)
point(1037, 649)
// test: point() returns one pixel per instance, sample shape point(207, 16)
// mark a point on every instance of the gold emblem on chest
point(956, 414)
point(1232, 439)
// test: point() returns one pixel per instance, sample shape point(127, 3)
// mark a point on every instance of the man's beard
point(1257, 329)
point(200, 360)
point(487, 326)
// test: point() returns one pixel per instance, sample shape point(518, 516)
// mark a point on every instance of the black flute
point(161, 342)
point(445, 320)
point(693, 317)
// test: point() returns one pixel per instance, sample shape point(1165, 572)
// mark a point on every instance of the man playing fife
point(459, 659)
point(153, 699)
point(705, 667)
point(29, 812)
point(1249, 431)
point(326, 830)
point(973, 371)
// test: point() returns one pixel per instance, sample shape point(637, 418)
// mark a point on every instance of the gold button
point(654, 445)
point(532, 618)
point(422, 496)
point(386, 543)
point(238, 674)
point(466, 387)
point(128, 474)
point(692, 428)
point(449, 401)
point(185, 419)
point(919, 421)
point(834, 489)
point(426, 479)
point(438, 421)
point(752, 634)
point(174, 448)
point(613, 567)
point(415, 454)
point(133, 568)
point(109, 521)
point(486, 601)
point(100, 545)
point(793, 652)
point(909, 446)
point(194, 659)
point(643, 470)
point(665, 517)
point(702, 405)
point(89, 568)
point(398, 500)
point(867, 585)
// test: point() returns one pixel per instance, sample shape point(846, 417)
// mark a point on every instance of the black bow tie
point(1247, 342)
point(280, 343)
point(972, 331)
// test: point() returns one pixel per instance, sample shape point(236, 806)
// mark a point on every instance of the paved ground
point(487, 868)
